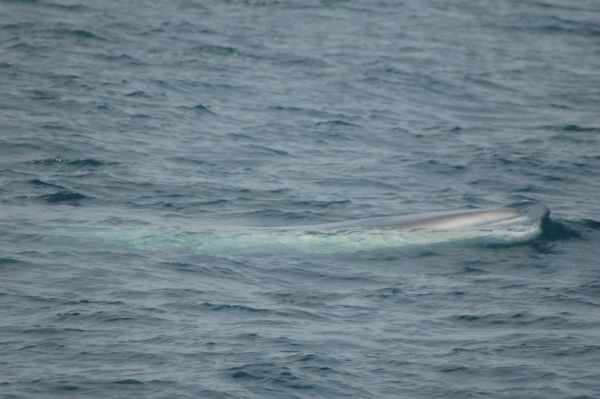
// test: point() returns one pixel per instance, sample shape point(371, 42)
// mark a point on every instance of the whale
point(520, 214)
point(498, 226)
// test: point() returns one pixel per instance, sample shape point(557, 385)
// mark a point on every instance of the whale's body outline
point(509, 225)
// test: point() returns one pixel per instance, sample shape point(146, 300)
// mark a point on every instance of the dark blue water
point(130, 131)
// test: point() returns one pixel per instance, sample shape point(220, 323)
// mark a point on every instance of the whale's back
point(520, 214)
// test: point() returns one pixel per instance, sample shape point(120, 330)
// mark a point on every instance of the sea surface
point(141, 143)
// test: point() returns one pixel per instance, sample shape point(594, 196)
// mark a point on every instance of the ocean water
point(150, 152)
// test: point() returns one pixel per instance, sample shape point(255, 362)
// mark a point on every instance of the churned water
point(143, 144)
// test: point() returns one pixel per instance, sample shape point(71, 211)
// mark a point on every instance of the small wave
point(123, 59)
point(138, 93)
point(572, 128)
point(17, 26)
point(270, 374)
point(555, 230)
point(577, 128)
point(22, 1)
point(40, 183)
point(78, 34)
point(514, 319)
point(215, 49)
point(261, 3)
point(321, 203)
point(74, 162)
point(338, 123)
point(42, 94)
point(591, 224)
point(85, 162)
point(227, 307)
point(62, 7)
point(199, 109)
point(10, 261)
point(63, 196)
point(308, 111)
point(128, 381)
point(260, 149)
point(68, 7)
point(92, 302)
point(203, 109)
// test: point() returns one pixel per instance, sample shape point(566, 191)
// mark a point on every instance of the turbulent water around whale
point(299, 199)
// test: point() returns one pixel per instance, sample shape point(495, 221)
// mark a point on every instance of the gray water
point(150, 150)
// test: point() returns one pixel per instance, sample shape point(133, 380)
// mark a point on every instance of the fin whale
point(508, 225)
point(495, 226)
point(515, 215)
